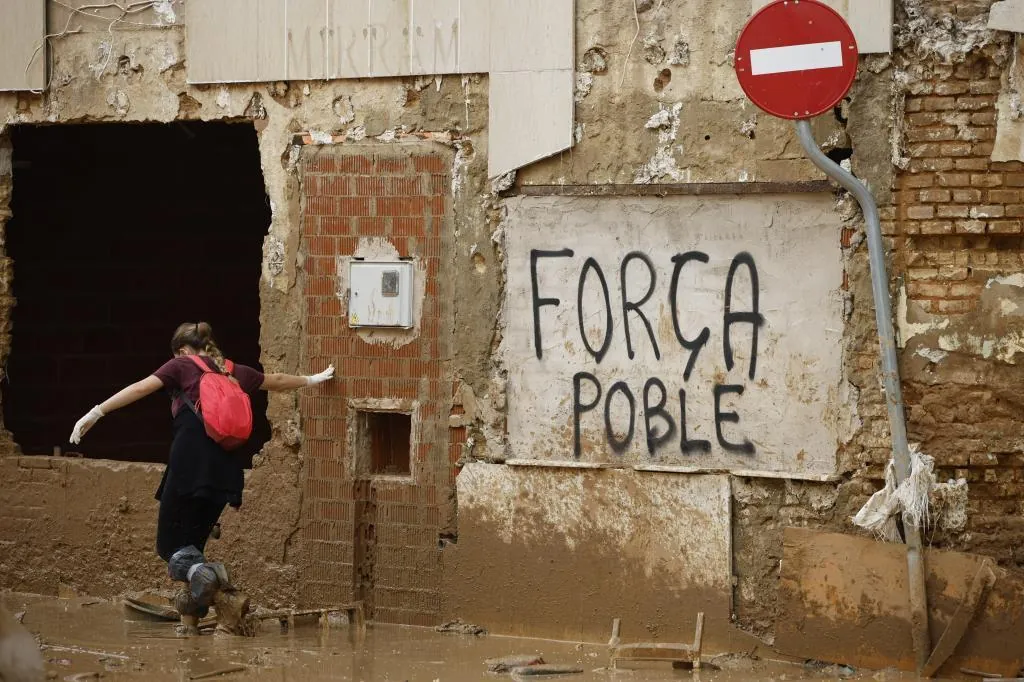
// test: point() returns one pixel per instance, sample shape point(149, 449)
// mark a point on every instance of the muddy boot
point(232, 612)
point(204, 579)
point(189, 611)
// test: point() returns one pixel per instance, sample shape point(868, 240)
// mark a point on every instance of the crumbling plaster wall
point(956, 225)
point(657, 86)
point(941, 87)
point(139, 75)
point(952, 219)
point(667, 109)
point(658, 103)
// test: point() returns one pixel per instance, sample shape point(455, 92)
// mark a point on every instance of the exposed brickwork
point(951, 188)
point(957, 221)
point(375, 538)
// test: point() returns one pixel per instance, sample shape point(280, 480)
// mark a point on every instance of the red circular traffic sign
point(796, 58)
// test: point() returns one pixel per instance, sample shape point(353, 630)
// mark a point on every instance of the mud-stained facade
point(569, 423)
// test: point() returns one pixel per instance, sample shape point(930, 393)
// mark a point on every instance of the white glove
point(86, 423)
point(323, 376)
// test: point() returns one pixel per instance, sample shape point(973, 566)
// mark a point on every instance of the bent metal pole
point(890, 375)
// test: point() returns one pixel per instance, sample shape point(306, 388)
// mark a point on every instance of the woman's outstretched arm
point(290, 382)
point(126, 396)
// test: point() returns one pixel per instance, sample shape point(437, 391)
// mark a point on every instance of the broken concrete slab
point(845, 600)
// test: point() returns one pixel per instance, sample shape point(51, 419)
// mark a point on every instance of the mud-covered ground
point(81, 636)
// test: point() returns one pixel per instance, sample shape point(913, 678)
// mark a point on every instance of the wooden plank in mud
point(844, 600)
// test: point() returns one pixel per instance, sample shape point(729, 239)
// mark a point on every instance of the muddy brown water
point(91, 636)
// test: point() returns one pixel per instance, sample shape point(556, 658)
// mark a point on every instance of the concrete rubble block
point(845, 600)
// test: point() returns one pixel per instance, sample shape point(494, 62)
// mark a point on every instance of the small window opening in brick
point(119, 233)
point(388, 435)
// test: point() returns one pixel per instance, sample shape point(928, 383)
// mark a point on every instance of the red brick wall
point(365, 537)
point(956, 221)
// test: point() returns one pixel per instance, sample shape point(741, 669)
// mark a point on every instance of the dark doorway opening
point(119, 233)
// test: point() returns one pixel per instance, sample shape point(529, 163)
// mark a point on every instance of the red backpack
point(223, 406)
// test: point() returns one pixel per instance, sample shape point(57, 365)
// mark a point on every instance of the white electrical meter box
point(380, 294)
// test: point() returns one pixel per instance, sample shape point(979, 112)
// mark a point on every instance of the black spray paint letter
point(686, 446)
point(746, 448)
point(752, 317)
point(579, 408)
point(598, 354)
point(651, 411)
point(535, 255)
point(696, 344)
point(619, 446)
point(628, 305)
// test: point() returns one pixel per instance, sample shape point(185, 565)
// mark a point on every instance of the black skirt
point(199, 467)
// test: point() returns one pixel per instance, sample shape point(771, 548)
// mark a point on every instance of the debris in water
point(220, 671)
point(546, 669)
point(830, 669)
point(507, 663)
point(458, 627)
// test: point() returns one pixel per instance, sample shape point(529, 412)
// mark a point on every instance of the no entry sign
point(796, 58)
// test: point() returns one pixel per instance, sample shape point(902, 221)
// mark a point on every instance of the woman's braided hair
point(198, 335)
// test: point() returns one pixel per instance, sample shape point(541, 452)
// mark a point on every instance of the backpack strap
point(229, 366)
point(202, 365)
point(188, 401)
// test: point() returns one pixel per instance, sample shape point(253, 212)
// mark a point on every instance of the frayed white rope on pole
point(912, 500)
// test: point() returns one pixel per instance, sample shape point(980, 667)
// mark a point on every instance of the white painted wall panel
point(22, 27)
point(236, 41)
point(871, 21)
point(435, 37)
point(349, 45)
point(474, 36)
point(271, 27)
point(526, 45)
point(307, 39)
point(389, 37)
point(532, 35)
point(780, 405)
point(530, 116)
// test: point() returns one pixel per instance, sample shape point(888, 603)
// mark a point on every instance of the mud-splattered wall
point(657, 103)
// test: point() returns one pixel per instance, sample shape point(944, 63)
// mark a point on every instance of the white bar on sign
point(796, 58)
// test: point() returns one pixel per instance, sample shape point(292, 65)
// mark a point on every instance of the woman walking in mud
point(203, 475)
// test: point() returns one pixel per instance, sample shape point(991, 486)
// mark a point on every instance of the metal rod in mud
point(890, 376)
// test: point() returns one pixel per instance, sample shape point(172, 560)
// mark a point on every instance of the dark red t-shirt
point(182, 374)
